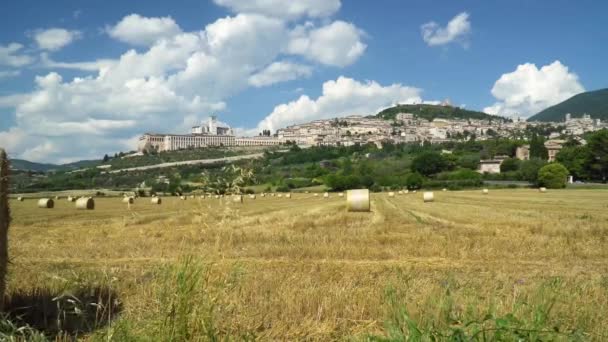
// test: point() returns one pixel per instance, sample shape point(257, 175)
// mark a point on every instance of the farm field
point(305, 269)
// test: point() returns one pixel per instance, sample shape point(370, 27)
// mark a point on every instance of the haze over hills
point(430, 112)
point(594, 103)
point(25, 165)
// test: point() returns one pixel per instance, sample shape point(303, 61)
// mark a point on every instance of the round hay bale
point(341, 194)
point(444, 189)
point(316, 195)
point(485, 191)
point(400, 192)
point(326, 195)
point(183, 198)
point(288, 196)
point(46, 203)
point(252, 196)
point(406, 192)
point(272, 195)
point(263, 195)
point(71, 199)
point(57, 198)
point(85, 203)
point(428, 196)
point(128, 200)
point(280, 195)
point(20, 199)
point(414, 191)
point(191, 196)
point(357, 200)
point(391, 194)
point(237, 198)
point(156, 200)
point(543, 189)
point(307, 191)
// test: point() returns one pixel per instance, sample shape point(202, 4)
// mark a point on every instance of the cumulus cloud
point(344, 96)
point(54, 39)
point(137, 30)
point(337, 44)
point(279, 72)
point(457, 30)
point(176, 79)
point(10, 55)
point(284, 9)
point(528, 89)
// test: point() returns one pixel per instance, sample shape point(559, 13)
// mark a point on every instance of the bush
point(553, 176)
point(528, 170)
point(429, 163)
point(509, 164)
point(462, 174)
point(414, 181)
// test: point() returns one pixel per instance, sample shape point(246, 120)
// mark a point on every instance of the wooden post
point(4, 222)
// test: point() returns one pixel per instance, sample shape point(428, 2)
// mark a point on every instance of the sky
point(80, 79)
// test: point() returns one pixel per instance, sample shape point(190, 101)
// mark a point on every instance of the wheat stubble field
point(305, 269)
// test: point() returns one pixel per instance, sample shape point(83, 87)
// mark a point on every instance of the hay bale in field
point(316, 195)
point(326, 195)
point(272, 194)
point(485, 191)
point(444, 189)
point(400, 192)
point(217, 196)
point(288, 196)
point(85, 203)
point(357, 200)
point(183, 198)
point(156, 200)
point(414, 191)
point(307, 191)
point(191, 196)
point(428, 196)
point(406, 192)
point(128, 200)
point(391, 194)
point(46, 203)
point(280, 195)
point(341, 194)
point(543, 189)
point(57, 198)
point(71, 199)
point(263, 195)
point(237, 198)
point(20, 199)
point(251, 196)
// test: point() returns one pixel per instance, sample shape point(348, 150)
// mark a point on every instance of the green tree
point(575, 159)
point(553, 176)
point(429, 163)
point(509, 164)
point(537, 148)
point(414, 181)
point(528, 169)
point(598, 147)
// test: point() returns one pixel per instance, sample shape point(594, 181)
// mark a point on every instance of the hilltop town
point(357, 129)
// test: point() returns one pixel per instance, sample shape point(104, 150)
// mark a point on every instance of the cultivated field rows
point(304, 268)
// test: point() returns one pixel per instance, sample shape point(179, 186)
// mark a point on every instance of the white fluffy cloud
point(279, 72)
point(137, 30)
point(336, 44)
point(175, 80)
point(457, 30)
point(283, 9)
point(10, 55)
point(528, 89)
point(344, 96)
point(54, 39)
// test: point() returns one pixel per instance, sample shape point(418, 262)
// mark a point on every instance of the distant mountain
point(594, 103)
point(430, 112)
point(20, 164)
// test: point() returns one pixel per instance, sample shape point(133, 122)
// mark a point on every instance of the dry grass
point(307, 269)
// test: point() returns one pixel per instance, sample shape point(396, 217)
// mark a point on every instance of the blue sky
point(80, 79)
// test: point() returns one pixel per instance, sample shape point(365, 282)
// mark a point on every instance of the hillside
point(594, 103)
point(430, 112)
point(20, 164)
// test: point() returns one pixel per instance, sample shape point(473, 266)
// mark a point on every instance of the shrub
point(553, 176)
point(528, 170)
point(414, 181)
point(509, 164)
point(429, 163)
